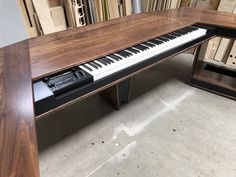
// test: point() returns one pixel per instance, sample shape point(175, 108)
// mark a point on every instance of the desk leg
point(118, 95)
point(199, 56)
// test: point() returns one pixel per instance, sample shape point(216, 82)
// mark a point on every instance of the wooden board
point(54, 3)
point(144, 4)
point(26, 8)
point(214, 4)
point(222, 49)
point(44, 15)
point(113, 9)
point(205, 4)
point(219, 44)
point(58, 17)
point(128, 7)
point(185, 3)
point(174, 4)
point(69, 13)
point(18, 145)
point(231, 60)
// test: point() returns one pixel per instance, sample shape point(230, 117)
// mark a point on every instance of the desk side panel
point(18, 145)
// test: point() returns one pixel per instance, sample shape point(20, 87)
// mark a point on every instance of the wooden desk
point(55, 52)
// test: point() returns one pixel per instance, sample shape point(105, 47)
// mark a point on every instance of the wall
point(11, 24)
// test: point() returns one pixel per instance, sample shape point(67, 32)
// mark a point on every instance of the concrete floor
point(169, 129)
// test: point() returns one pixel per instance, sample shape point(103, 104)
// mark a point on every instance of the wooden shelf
point(215, 78)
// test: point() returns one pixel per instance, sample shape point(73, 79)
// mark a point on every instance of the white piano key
point(126, 62)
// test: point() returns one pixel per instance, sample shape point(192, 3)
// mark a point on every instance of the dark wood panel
point(18, 145)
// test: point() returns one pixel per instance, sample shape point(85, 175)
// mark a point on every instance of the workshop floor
point(169, 129)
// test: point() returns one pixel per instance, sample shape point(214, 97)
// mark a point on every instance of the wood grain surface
point(18, 145)
point(58, 51)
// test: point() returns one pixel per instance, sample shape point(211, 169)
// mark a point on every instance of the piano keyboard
point(59, 88)
point(120, 60)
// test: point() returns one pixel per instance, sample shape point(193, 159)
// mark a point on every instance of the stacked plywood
point(217, 48)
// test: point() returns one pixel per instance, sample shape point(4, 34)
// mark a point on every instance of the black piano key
point(130, 54)
point(106, 60)
point(181, 31)
point(156, 42)
point(171, 36)
point(88, 68)
point(145, 46)
point(119, 57)
point(165, 36)
point(93, 65)
point(159, 39)
point(194, 28)
point(168, 37)
point(164, 39)
point(133, 50)
point(184, 29)
point(97, 64)
point(127, 53)
point(124, 54)
point(189, 29)
point(102, 61)
point(175, 34)
point(148, 44)
point(115, 57)
point(121, 54)
point(111, 61)
point(141, 47)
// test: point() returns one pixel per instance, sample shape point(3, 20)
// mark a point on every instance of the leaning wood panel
point(18, 145)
